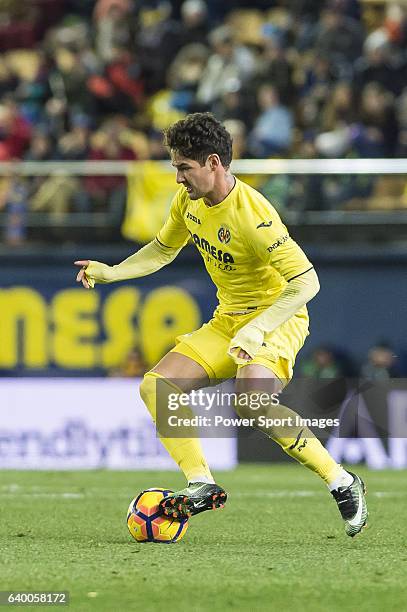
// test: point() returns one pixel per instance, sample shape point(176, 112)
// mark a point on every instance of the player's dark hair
point(200, 135)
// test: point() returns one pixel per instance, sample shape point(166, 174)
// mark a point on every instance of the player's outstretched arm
point(150, 258)
point(296, 294)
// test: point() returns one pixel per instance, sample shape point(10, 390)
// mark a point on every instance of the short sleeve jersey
point(246, 248)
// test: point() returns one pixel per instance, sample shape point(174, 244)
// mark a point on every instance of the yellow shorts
point(209, 345)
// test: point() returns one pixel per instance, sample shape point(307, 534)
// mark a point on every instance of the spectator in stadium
point(317, 76)
point(103, 8)
point(380, 364)
point(402, 122)
point(184, 75)
point(306, 9)
point(133, 366)
point(15, 131)
point(112, 27)
point(156, 31)
point(322, 363)
point(194, 14)
point(70, 79)
point(56, 195)
point(14, 194)
point(339, 109)
point(55, 117)
point(75, 143)
point(19, 24)
point(380, 63)
point(8, 80)
point(237, 130)
point(339, 38)
point(124, 82)
point(107, 192)
point(230, 65)
point(32, 89)
point(377, 123)
point(395, 24)
point(272, 131)
point(298, 192)
point(276, 68)
point(232, 105)
point(41, 148)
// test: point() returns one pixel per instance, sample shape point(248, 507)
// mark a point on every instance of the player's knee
point(147, 386)
point(157, 392)
point(243, 412)
point(148, 392)
point(248, 405)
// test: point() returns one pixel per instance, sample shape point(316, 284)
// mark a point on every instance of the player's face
point(198, 180)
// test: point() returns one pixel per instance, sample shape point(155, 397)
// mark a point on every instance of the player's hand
point(81, 276)
point(93, 272)
point(241, 354)
point(246, 344)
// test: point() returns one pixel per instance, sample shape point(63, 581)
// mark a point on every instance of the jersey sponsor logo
point(193, 218)
point(278, 243)
point(218, 264)
point(224, 235)
point(216, 253)
point(264, 224)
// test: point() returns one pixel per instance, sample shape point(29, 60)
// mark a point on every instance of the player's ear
point(213, 161)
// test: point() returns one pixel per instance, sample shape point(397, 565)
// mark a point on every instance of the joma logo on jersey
point(193, 218)
point(215, 252)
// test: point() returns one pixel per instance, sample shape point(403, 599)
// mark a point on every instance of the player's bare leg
point(300, 443)
point(177, 373)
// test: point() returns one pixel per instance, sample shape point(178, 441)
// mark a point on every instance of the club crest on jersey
point(224, 235)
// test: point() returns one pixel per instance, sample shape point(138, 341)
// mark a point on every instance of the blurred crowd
point(324, 362)
point(99, 80)
point(380, 364)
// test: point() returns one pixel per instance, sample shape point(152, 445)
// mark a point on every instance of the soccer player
point(264, 281)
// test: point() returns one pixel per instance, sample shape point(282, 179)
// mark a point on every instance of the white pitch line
point(286, 493)
point(241, 494)
point(280, 493)
point(46, 495)
point(12, 488)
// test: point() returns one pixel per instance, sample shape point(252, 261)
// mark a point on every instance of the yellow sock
point(309, 451)
point(301, 444)
point(186, 452)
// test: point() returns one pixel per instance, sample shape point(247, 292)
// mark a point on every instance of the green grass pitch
point(279, 544)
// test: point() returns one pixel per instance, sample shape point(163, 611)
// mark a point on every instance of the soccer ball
point(145, 522)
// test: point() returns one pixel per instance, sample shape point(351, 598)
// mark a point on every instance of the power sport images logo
point(220, 259)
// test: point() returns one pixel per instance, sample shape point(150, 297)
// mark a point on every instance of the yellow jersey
point(246, 248)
